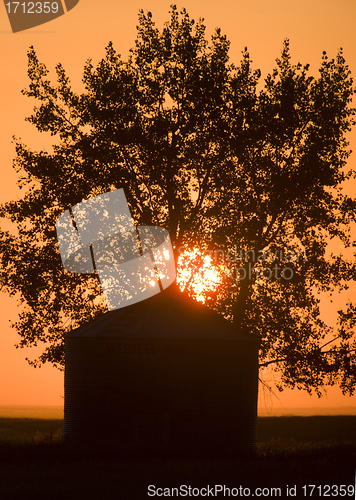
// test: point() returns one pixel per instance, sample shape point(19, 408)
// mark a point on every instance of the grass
point(25, 429)
point(36, 464)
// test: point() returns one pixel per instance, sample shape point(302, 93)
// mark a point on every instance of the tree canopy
point(249, 169)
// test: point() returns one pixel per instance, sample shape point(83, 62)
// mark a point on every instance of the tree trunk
point(239, 308)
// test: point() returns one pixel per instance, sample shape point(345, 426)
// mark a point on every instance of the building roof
point(170, 314)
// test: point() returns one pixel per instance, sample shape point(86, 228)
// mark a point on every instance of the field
point(292, 452)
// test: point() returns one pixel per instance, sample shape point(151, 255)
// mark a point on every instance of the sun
point(199, 275)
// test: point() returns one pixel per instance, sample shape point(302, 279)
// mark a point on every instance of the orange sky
point(311, 25)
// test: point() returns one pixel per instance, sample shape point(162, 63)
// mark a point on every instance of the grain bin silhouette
point(165, 371)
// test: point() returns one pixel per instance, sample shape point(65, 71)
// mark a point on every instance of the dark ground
point(292, 452)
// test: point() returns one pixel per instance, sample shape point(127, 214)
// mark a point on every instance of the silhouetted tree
point(222, 160)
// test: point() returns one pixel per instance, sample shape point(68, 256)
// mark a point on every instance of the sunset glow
point(312, 28)
point(198, 275)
